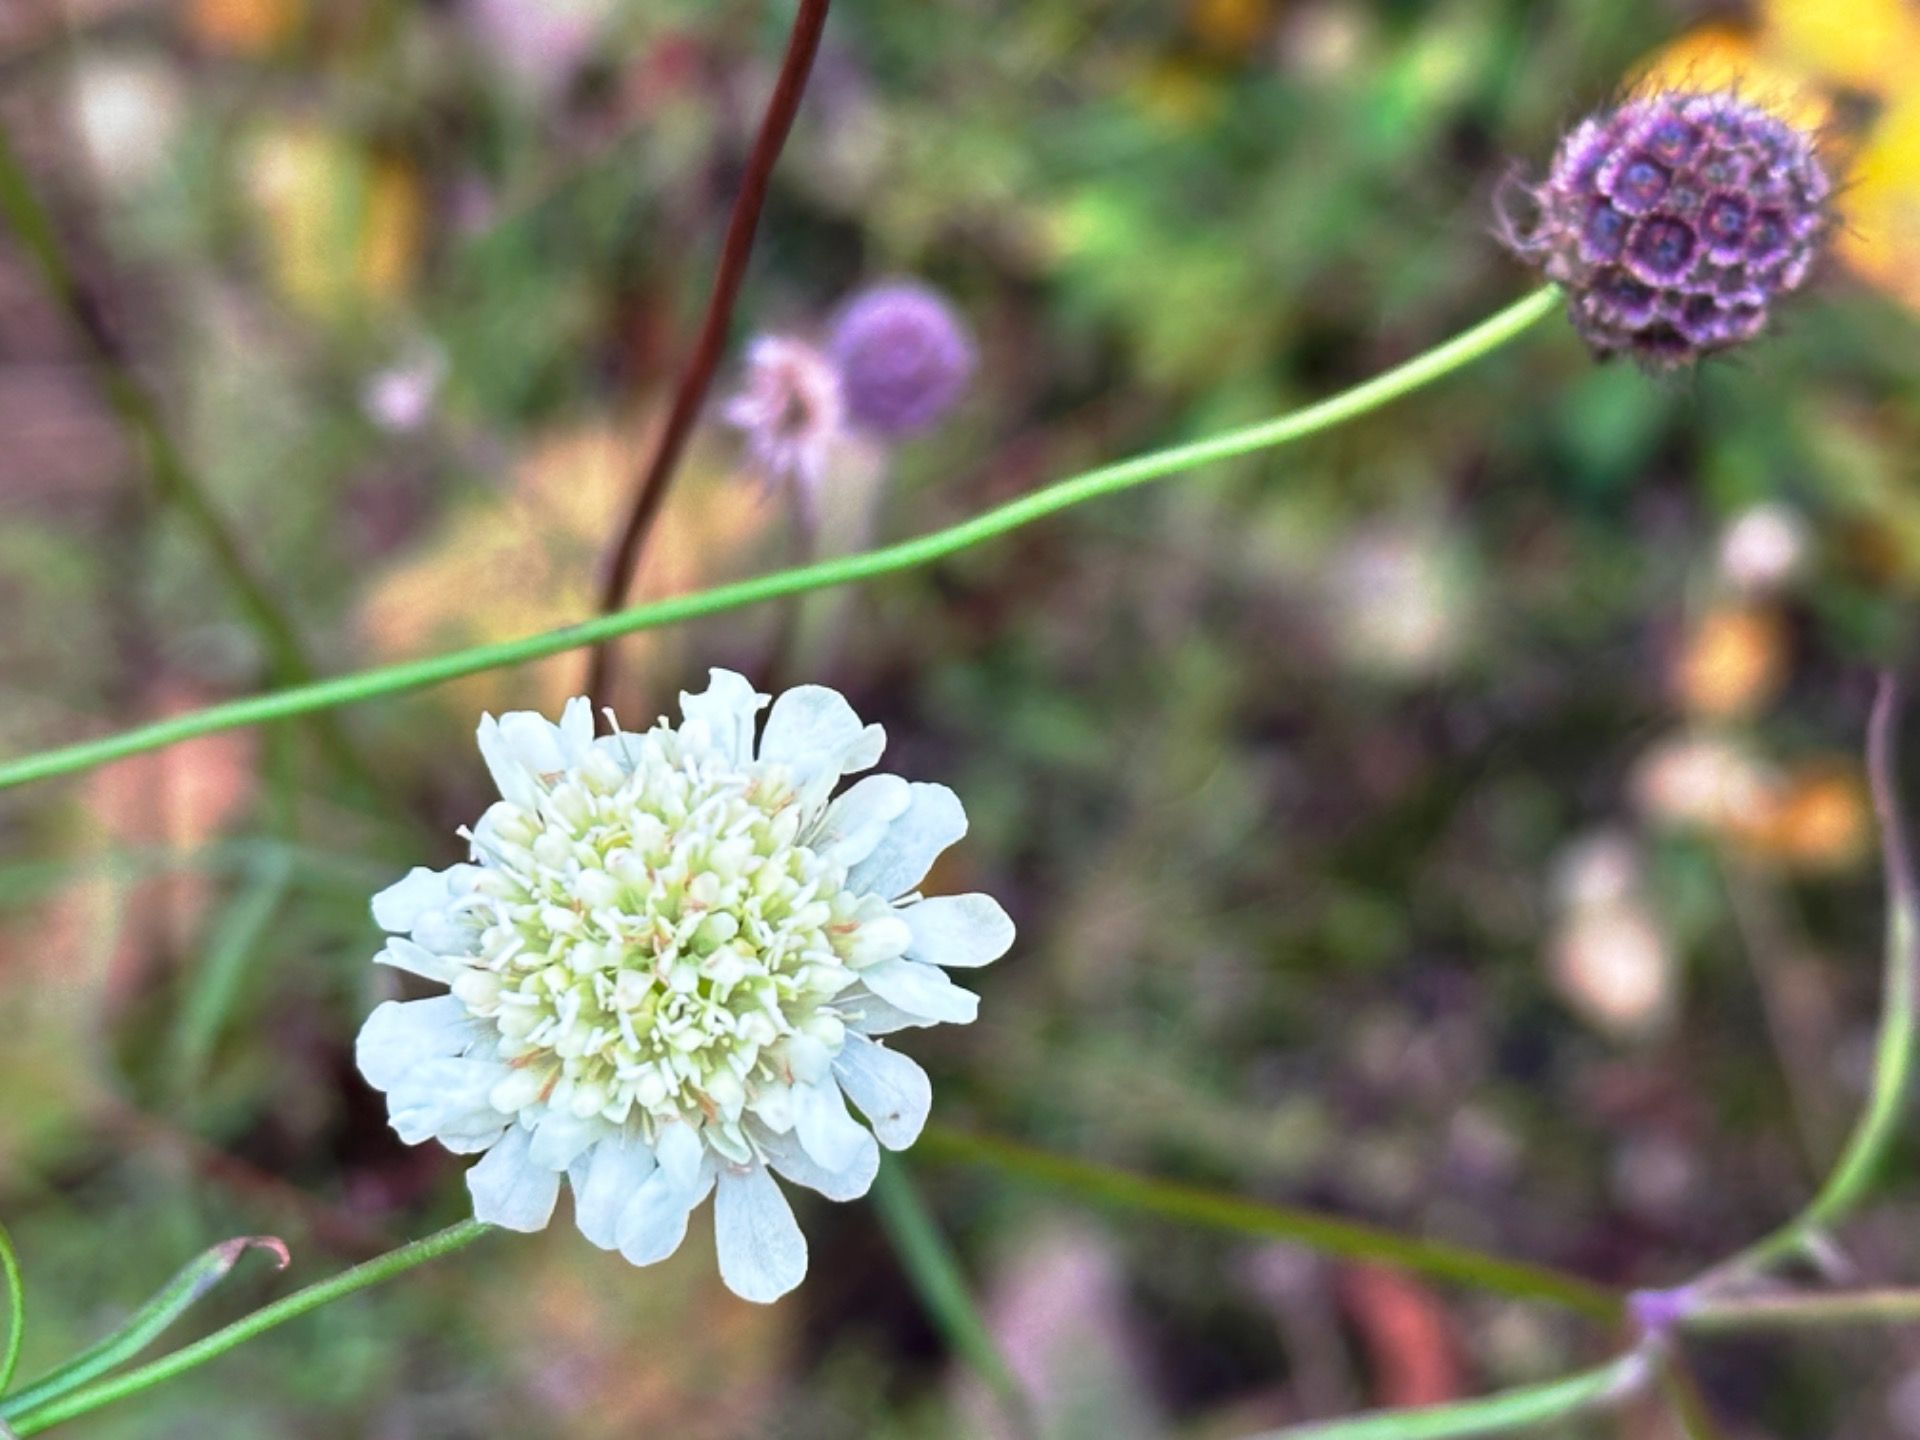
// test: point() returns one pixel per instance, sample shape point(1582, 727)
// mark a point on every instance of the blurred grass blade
point(16, 1310)
point(172, 1301)
point(1348, 1239)
point(1508, 1413)
point(942, 1288)
point(215, 984)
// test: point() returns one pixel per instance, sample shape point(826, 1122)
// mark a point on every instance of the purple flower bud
point(904, 358)
point(1674, 222)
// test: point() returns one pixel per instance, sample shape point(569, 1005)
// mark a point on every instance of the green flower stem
point(1507, 1413)
point(16, 1310)
point(174, 481)
point(1330, 1236)
point(1423, 370)
point(1880, 1122)
point(382, 1267)
point(1802, 1312)
point(936, 1276)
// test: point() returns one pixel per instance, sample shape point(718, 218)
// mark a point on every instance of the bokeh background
point(1454, 822)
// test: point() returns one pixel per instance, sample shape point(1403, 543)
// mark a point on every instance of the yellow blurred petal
point(1723, 57)
point(390, 240)
point(1880, 240)
point(1229, 27)
point(1818, 820)
point(528, 561)
point(1732, 663)
point(1871, 45)
point(244, 27)
point(340, 228)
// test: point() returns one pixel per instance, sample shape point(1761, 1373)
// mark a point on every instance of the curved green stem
point(1326, 1234)
point(1403, 379)
point(1880, 1122)
point(16, 1310)
point(382, 1267)
point(1507, 1413)
point(1802, 1312)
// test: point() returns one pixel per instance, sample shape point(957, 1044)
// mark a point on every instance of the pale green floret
point(657, 942)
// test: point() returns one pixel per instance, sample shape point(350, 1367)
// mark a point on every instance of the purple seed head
point(1674, 222)
point(904, 358)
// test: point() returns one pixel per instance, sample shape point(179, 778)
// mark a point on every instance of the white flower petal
point(857, 821)
point(678, 1149)
point(921, 990)
point(890, 1089)
point(446, 1100)
point(879, 934)
point(815, 733)
point(958, 931)
point(763, 1255)
point(871, 1015)
point(604, 1181)
point(559, 1137)
point(931, 822)
point(725, 711)
point(509, 1189)
point(510, 776)
point(403, 954)
point(654, 1221)
point(576, 730)
point(400, 1034)
point(399, 907)
point(824, 1128)
point(785, 1155)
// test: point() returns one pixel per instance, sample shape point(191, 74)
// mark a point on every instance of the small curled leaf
point(188, 1284)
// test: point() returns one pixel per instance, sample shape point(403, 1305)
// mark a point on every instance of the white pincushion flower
point(668, 964)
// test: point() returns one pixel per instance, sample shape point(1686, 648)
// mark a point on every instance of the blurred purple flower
point(539, 43)
point(904, 358)
point(400, 398)
point(791, 410)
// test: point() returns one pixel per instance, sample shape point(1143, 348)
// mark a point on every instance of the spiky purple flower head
point(904, 358)
point(1675, 221)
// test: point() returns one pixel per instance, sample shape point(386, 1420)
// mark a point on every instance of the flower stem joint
point(1675, 222)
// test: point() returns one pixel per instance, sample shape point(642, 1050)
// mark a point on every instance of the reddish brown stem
point(650, 491)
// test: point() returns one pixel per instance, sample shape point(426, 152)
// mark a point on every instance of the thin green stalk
point(936, 1276)
point(1423, 370)
point(382, 1267)
point(16, 1310)
point(1802, 1312)
point(182, 1291)
point(1507, 1413)
point(1881, 1121)
point(174, 481)
point(1323, 1233)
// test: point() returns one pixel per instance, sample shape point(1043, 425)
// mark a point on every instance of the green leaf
point(172, 1301)
point(16, 1310)
point(1507, 1413)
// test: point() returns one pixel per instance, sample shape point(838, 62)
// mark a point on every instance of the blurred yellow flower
point(1732, 663)
point(528, 561)
point(342, 228)
point(1865, 44)
point(244, 27)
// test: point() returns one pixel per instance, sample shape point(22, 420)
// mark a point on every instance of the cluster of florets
point(895, 364)
point(1675, 221)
